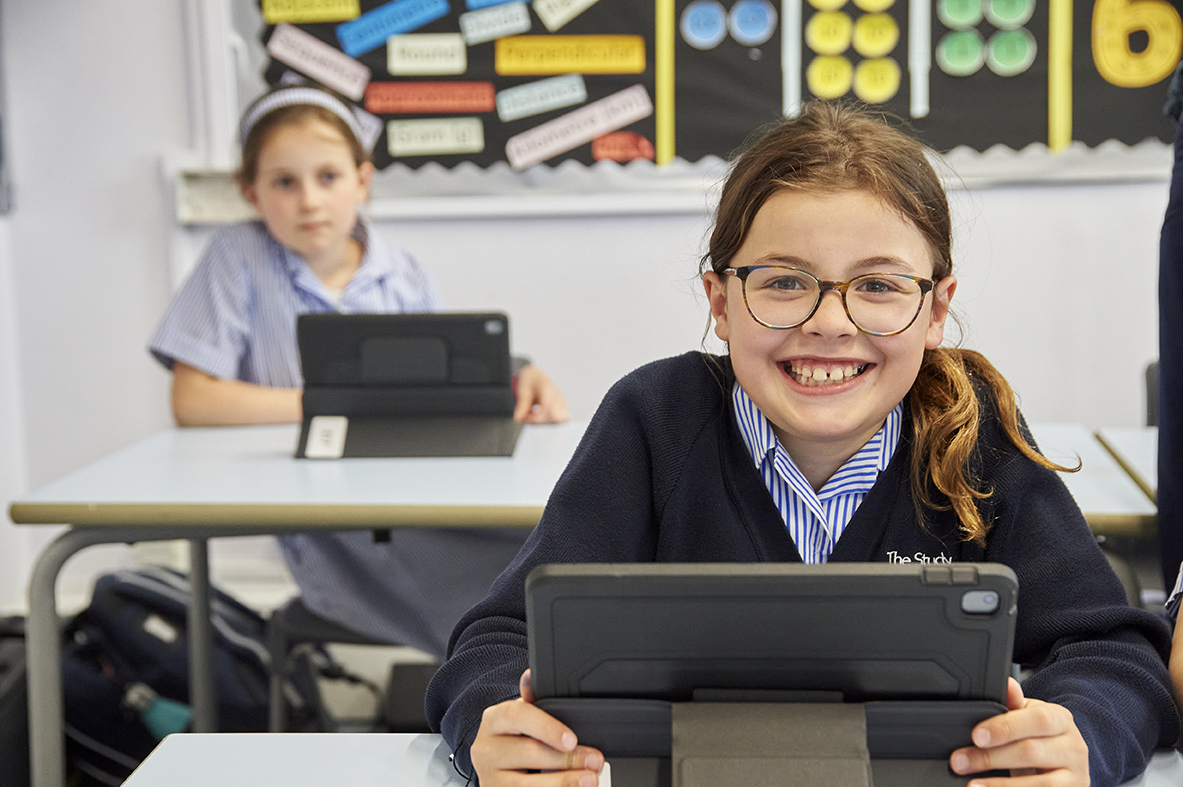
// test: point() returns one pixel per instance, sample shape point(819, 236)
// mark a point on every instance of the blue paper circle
point(752, 22)
point(704, 24)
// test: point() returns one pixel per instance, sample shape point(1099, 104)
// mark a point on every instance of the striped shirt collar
point(831, 507)
point(373, 267)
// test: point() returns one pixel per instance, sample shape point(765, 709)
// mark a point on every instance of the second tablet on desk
point(377, 385)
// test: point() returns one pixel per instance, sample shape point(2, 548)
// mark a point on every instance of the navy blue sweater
point(663, 475)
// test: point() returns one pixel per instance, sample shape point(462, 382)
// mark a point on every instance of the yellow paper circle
point(827, 5)
point(874, 6)
point(875, 35)
point(877, 80)
point(829, 76)
point(829, 32)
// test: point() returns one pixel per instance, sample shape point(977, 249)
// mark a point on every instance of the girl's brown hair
point(292, 115)
point(837, 147)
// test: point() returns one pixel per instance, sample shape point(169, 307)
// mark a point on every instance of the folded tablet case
point(844, 674)
point(435, 384)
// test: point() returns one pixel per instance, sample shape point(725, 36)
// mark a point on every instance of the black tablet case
point(614, 647)
point(431, 384)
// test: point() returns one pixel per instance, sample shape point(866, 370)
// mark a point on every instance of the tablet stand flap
point(774, 744)
point(338, 436)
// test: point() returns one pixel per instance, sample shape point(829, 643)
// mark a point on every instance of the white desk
point(1136, 450)
point(198, 484)
point(366, 760)
point(1110, 500)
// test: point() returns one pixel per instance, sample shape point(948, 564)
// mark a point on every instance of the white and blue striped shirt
point(235, 315)
point(1176, 597)
point(815, 519)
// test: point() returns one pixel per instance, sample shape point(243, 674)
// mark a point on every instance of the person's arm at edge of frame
point(1176, 665)
point(200, 399)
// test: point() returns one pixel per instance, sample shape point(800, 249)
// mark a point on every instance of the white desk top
point(365, 760)
point(248, 476)
point(1136, 449)
point(1107, 495)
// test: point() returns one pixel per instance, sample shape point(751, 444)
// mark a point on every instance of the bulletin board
point(526, 86)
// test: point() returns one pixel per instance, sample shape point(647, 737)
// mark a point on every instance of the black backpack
point(14, 704)
point(125, 672)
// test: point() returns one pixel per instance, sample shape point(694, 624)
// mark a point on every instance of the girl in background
point(229, 338)
point(837, 428)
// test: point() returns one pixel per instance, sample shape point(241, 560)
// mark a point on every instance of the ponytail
point(946, 414)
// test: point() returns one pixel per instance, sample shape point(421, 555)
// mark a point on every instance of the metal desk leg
point(46, 745)
point(202, 697)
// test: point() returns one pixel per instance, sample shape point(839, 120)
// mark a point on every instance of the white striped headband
point(291, 96)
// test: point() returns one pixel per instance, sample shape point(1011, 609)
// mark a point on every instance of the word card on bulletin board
point(546, 81)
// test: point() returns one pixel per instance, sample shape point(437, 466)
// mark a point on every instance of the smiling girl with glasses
point(836, 428)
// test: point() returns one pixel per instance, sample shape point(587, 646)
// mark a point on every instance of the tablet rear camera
point(979, 602)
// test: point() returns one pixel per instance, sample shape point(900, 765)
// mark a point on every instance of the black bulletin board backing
point(715, 70)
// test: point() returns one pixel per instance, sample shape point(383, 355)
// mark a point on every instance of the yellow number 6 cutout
point(1118, 64)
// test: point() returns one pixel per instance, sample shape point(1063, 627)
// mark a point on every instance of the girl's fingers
point(1039, 737)
point(526, 687)
point(518, 736)
point(520, 754)
point(1040, 754)
point(518, 717)
point(1035, 719)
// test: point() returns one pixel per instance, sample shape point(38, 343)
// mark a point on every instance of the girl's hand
point(539, 401)
point(516, 738)
point(1038, 741)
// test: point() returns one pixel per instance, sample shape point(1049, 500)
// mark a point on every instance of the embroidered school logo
point(895, 557)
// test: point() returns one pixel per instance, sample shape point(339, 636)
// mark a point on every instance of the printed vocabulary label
point(432, 137)
point(304, 11)
point(426, 54)
point(425, 98)
point(371, 29)
point(537, 55)
point(371, 128)
point(622, 146)
point(326, 437)
point(578, 127)
point(556, 13)
point(309, 55)
point(534, 98)
point(510, 19)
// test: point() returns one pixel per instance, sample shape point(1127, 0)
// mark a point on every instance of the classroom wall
point(1057, 282)
point(1057, 287)
point(13, 544)
point(95, 94)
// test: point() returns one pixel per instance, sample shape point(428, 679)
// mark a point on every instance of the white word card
point(419, 54)
point(435, 137)
point(556, 13)
point(578, 127)
point(371, 127)
point(497, 21)
point(329, 66)
point(534, 98)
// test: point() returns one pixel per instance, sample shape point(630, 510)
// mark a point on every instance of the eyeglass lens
point(877, 303)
